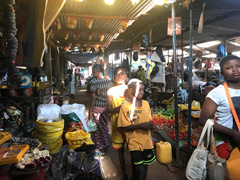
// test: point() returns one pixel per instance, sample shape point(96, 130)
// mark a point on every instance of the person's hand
point(89, 117)
point(146, 125)
point(155, 128)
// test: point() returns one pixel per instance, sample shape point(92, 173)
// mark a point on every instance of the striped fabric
point(101, 136)
point(103, 85)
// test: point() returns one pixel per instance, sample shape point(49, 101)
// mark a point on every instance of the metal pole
point(190, 76)
point(121, 53)
point(112, 68)
point(175, 82)
point(225, 47)
point(129, 75)
point(182, 70)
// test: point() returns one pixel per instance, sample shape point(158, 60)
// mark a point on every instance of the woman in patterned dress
point(98, 108)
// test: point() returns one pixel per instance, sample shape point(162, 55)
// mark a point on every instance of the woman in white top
point(216, 105)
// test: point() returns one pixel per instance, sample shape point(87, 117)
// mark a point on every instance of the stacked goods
point(50, 132)
point(165, 120)
point(33, 143)
point(34, 159)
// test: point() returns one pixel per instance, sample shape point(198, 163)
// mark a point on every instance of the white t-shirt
point(223, 113)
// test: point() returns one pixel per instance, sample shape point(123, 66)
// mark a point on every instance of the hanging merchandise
point(221, 51)
point(160, 76)
point(9, 33)
point(154, 71)
point(124, 24)
point(101, 37)
point(150, 65)
point(160, 53)
point(125, 63)
point(182, 96)
point(135, 56)
point(89, 22)
point(201, 19)
point(71, 22)
point(57, 23)
point(136, 45)
point(65, 35)
point(145, 39)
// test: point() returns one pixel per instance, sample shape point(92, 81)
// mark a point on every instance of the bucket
point(164, 152)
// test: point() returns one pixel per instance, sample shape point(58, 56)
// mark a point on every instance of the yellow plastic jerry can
point(164, 152)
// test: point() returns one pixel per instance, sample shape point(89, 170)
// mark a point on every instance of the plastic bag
point(48, 111)
point(58, 164)
point(77, 138)
point(85, 162)
point(92, 126)
point(79, 110)
point(50, 127)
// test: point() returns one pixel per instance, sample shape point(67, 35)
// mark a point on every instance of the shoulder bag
point(233, 161)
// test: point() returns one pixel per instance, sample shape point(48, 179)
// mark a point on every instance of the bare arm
point(208, 110)
point(110, 109)
point(92, 100)
point(144, 126)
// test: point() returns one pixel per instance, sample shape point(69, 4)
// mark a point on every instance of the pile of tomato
point(182, 135)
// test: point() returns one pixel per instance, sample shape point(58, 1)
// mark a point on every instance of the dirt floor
point(109, 162)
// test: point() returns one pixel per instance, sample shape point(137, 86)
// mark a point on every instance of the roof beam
point(87, 43)
point(96, 16)
point(223, 28)
point(89, 31)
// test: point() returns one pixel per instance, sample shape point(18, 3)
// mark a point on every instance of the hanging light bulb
point(79, 0)
point(159, 2)
point(134, 2)
point(109, 2)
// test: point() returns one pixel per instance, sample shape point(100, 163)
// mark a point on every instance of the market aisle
point(109, 162)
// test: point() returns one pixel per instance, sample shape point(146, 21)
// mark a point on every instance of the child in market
point(135, 120)
point(116, 96)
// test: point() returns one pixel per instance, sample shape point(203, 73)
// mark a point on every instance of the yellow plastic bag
point(54, 147)
point(47, 136)
point(50, 126)
point(77, 138)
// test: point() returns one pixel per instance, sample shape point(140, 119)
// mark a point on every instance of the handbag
point(204, 164)
point(92, 126)
point(197, 164)
point(216, 166)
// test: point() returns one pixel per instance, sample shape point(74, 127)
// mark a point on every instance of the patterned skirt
point(101, 136)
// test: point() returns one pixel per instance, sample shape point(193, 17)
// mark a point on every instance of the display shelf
point(164, 135)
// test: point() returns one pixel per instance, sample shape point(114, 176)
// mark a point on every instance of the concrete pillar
point(49, 64)
point(106, 60)
point(62, 64)
point(57, 68)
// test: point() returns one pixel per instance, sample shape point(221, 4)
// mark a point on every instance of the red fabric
point(223, 150)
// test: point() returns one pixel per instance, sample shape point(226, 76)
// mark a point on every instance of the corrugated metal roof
point(106, 20)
